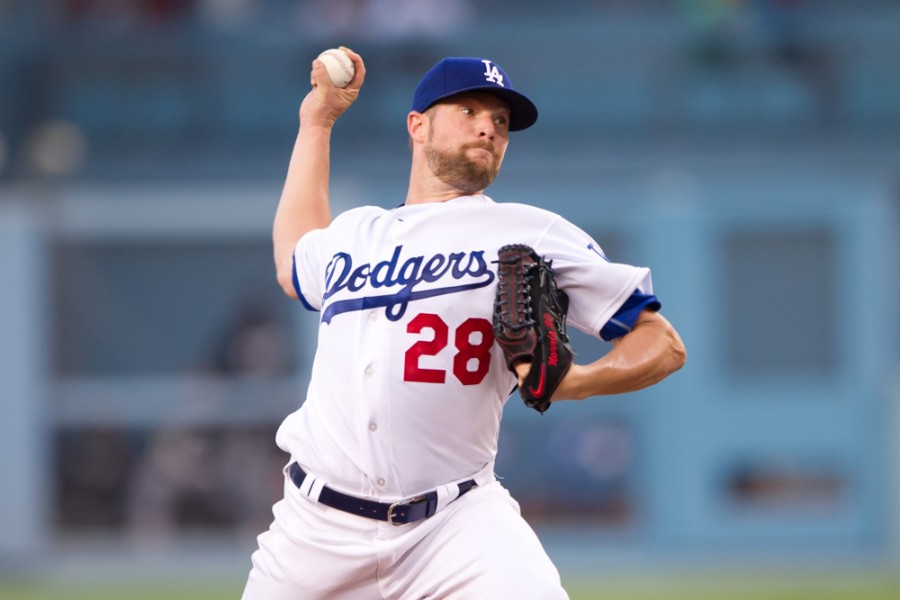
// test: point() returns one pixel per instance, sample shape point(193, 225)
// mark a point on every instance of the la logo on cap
point(492, 73)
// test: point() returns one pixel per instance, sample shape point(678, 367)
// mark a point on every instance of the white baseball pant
point(478, 546)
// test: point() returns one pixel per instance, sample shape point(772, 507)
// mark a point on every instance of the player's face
point(467, 139)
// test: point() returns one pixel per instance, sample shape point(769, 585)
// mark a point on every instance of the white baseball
point(339, 66)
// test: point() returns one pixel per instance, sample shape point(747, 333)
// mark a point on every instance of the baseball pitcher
point(430, 315)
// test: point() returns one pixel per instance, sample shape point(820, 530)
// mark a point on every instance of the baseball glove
point(530, 322)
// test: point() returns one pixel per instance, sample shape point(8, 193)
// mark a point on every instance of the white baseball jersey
point(407, 386)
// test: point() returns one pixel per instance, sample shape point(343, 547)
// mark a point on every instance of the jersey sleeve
point(605, 298)
point(307, 269)
point(315, 252)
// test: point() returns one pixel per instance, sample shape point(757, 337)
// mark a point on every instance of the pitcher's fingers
point(318, 76)
point(359, 67)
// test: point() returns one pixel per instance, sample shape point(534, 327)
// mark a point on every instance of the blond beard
point(459, 171)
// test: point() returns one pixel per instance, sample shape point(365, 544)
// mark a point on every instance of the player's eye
point(501, 120)
point(467, 111)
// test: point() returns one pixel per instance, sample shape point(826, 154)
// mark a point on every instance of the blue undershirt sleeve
point(623, 321)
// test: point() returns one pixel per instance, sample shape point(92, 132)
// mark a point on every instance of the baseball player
point(390, 490)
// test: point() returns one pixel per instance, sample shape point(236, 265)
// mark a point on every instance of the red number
point(473, 340)
point(412, 370)
point(478, 352)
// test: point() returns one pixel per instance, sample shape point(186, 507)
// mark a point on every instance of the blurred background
point(748, 151)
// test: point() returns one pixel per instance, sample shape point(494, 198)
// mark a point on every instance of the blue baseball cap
point(456, 75)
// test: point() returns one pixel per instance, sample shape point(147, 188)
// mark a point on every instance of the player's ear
point(416, 126)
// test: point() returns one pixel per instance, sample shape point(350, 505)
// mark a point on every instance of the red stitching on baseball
point(340, 62)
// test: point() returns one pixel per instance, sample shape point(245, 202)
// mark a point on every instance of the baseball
point(339, 66)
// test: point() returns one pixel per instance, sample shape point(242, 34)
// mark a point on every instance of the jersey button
point(373, 426)
point(373, 316)
point(380, 482)
point(369, 370)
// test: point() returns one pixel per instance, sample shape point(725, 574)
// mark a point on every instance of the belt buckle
point(390, 512)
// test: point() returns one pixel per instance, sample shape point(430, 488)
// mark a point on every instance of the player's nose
point(487, 127)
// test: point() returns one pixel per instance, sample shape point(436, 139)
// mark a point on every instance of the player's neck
point(426, 199)
point(425, 189)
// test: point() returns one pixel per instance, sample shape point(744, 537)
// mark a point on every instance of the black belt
point(398, 513)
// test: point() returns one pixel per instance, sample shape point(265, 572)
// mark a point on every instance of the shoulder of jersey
point(357, 213)
point(524, 209)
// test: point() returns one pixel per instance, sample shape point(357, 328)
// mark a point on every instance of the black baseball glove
point(530, 322)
